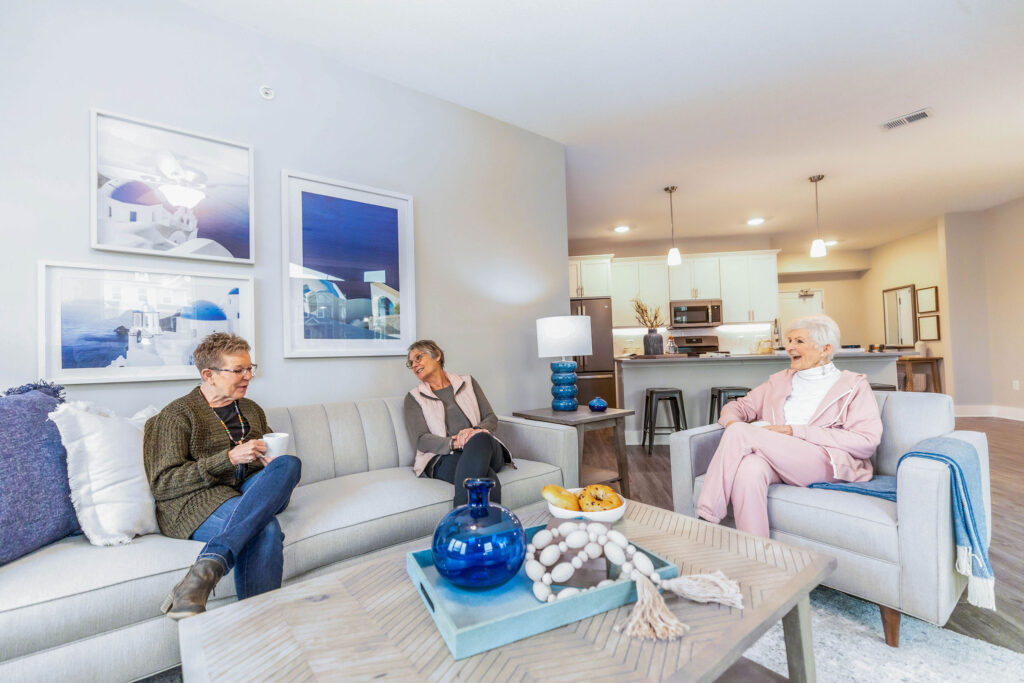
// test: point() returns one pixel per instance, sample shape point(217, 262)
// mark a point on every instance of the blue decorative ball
point(565, 404)
point(564, 390)
point(598, 405)
point(563, 378)
point(563, 366)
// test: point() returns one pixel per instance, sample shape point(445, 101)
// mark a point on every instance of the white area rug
point(849, 646)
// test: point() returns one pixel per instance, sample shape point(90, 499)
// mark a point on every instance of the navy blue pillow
point(35, 499)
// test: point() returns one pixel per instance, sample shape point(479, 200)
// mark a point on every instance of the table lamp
point(564, 335)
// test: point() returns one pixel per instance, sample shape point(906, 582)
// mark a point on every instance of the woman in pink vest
point(451, 424)
point(810, 423)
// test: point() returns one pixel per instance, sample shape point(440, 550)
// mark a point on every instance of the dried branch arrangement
point(647, 317)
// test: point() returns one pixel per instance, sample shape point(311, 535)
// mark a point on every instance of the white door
point(795, 304)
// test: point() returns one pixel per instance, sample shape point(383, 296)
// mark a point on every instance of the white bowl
point(613, 515)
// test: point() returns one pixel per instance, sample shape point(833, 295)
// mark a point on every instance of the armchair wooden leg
point(891, 625)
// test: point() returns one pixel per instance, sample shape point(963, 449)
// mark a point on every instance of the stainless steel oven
point(695, 313)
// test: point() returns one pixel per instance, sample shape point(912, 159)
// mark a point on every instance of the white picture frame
point(101, 324)
point(164, 191)
point(348, 268)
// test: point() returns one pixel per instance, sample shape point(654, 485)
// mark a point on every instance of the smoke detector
point(907, 118)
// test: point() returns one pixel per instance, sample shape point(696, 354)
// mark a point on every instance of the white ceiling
point(734, 101)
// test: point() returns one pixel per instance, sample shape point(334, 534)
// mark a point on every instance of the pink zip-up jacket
point(846, 424)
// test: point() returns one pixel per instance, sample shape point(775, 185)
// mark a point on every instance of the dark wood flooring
point(651, 483)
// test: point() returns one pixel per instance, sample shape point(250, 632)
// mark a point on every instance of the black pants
point(483, 456)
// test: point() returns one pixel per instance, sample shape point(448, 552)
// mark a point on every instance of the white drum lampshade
point(564, 335)
point(561, 336)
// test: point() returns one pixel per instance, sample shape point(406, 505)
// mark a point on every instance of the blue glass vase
point(480, 544)
point(598, 405)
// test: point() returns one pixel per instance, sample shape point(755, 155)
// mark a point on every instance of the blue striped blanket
point(970, 523)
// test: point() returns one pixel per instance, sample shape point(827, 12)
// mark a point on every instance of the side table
point(907, 363)
point(585, 421)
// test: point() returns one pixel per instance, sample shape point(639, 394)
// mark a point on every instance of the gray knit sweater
point(185, 450)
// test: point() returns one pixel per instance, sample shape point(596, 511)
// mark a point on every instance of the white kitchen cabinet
point(625, 286)
point(750, 288)
point(706, 282)
point(764, 287)
point(653, 285)
point(695, 278)
point(588, 276)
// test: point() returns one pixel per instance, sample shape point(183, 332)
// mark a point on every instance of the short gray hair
point(822, 330)
point(430, 347)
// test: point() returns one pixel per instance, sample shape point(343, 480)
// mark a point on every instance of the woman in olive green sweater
point(212, 481)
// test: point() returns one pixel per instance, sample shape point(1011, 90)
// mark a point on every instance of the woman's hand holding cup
point(247, 452)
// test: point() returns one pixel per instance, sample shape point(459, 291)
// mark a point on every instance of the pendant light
point(674, 259)
point(817, 246)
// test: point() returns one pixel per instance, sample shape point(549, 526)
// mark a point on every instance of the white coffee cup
point(277, 444)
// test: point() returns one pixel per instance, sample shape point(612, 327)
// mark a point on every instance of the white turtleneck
point(809, 389)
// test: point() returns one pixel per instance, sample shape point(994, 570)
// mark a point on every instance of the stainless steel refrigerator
point(596, 372)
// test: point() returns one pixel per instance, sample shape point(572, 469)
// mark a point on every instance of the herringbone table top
point(365, 620)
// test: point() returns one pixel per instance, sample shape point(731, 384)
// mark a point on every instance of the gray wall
point(490, 207)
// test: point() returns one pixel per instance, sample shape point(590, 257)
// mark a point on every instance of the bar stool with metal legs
point(720, 396)
point(652, 396)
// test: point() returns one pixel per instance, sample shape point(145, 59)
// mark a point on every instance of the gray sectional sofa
point(74, 611)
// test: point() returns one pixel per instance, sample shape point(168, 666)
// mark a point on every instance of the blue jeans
point(243, 532)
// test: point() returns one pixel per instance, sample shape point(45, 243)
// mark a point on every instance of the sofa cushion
point(35, 499)
point(861, 524)
point(72, 589)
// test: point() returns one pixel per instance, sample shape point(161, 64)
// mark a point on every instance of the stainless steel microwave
point(695, 313)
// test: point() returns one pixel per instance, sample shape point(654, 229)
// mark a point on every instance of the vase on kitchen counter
point(654, 345)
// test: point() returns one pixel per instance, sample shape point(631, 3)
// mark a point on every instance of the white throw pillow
point(109, 487)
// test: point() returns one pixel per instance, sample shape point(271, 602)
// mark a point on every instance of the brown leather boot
point(189, 597)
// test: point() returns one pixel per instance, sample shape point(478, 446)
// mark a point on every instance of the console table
point(586, 421)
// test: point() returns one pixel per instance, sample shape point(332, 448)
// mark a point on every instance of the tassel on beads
point(706, 588)
point(651, 618)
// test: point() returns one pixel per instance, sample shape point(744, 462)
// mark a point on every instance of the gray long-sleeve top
point(454, 419)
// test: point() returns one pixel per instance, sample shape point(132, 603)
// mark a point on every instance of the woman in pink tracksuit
point(812, 422)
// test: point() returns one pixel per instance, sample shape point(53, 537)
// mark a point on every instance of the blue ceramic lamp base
point(563, 385)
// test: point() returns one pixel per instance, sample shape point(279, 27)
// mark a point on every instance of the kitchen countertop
point(678, 358)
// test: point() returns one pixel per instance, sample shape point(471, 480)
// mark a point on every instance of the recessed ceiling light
point(831, 243)
point(622, 228)
point(754, 222)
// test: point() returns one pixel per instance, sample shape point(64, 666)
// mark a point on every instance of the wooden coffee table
point(364, 619)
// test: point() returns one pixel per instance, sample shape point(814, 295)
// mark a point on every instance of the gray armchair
point(899, 555)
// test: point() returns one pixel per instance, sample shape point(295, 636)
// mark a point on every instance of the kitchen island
point(696, 376)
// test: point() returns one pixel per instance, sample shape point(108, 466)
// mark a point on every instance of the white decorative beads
point(557, 560)
point(561, 572)
point(549, 555)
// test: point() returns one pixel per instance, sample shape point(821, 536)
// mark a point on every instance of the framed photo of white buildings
point(162, 191)
point(101, 324)
point(348, 265)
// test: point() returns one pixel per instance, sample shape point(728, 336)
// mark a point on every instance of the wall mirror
point(899, 309)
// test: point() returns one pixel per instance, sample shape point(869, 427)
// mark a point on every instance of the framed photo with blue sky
point(161, 191)
point(99, 324)
point(349, 272)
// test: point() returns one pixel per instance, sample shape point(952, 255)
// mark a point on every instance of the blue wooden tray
point(472, 622)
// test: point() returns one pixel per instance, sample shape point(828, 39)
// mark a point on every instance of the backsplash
point(738, 340)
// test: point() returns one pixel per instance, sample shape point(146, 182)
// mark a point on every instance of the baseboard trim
point(1006, 412)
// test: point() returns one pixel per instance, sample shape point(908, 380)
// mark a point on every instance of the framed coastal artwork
point(162, 191)
point(349, 275)
point(928, 299)
point(133, 325)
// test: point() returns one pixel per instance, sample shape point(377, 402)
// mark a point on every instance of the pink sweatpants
point(747, 461)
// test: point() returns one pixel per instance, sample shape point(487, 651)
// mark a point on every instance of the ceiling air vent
point(905, 119)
